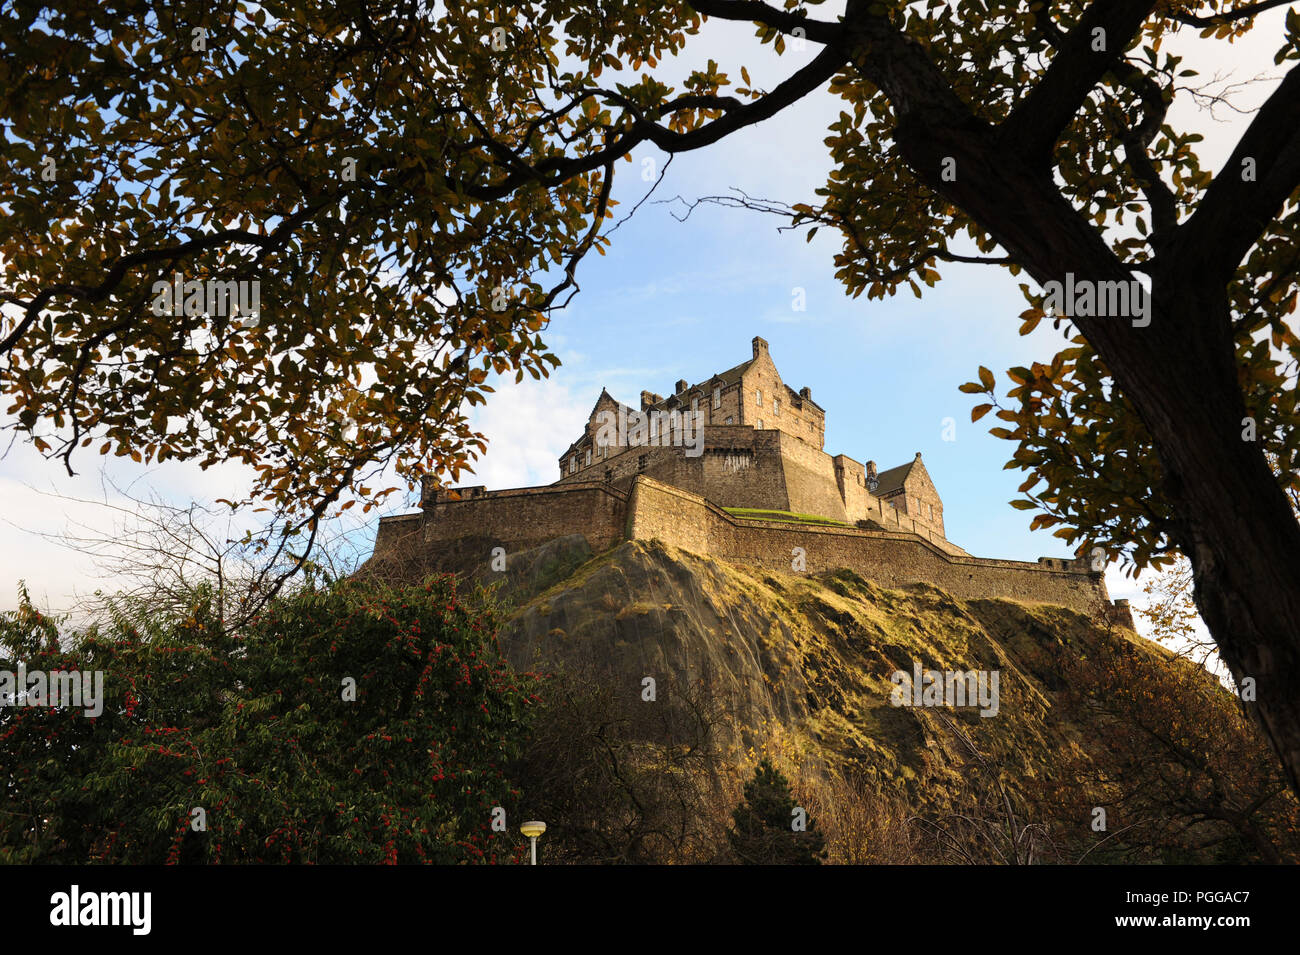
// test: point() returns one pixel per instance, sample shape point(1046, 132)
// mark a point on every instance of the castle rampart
point(520, 518)
point(891, 559)
point(741, 440)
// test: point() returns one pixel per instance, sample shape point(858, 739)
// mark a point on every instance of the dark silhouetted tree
point(764, 832)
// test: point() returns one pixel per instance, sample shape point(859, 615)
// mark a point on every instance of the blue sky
point(682, 300)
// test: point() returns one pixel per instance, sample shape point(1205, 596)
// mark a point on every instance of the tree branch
point(755, 11)
point(1036, 123)
point(1234, 212)
point(551, 172)
point(1240, 13)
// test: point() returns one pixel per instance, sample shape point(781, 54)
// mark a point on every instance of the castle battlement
point(691, 469)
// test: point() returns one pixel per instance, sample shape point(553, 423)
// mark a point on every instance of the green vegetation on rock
point(801, 665)
point(759, 514)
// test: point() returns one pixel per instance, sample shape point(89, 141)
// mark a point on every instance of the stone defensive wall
point(606, 515)
point(516, 519)
point(891, 559)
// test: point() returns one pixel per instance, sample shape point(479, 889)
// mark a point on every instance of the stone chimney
point(805, 394)
point(760, 346)
point(681, 386)
point(649, 398)
point(871, 469)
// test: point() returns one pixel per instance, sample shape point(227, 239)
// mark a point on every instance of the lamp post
point(532, 830)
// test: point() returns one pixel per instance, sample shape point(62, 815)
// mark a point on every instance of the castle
point(758, 444)
point(734, 467)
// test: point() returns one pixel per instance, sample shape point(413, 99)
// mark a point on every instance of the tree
point(769, 829)
point(164, 556)
point(1173, 761)
point(288, 235)
point(1019, 133)
point(621, 781)
point(348, 724)
point(1172, 618)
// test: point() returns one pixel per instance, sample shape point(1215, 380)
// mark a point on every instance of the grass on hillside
point(758, 514)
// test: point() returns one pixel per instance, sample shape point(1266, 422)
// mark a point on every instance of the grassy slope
point(759, 514)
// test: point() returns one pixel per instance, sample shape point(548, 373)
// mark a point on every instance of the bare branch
point(1228, 16)
point(1237, 208)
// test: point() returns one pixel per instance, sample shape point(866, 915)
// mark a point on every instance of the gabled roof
point(796, 398)
point(893, 479)
point(604, 394)
point(730, 376)
point(727, 378)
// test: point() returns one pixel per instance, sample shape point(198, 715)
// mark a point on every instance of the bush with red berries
point(351, 723)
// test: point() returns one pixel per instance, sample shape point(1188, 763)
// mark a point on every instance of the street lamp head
point(533, 829)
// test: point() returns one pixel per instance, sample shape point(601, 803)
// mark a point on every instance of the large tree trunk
point(1233, 521)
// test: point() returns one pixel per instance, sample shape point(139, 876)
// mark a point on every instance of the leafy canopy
point(414, 186)
point(362, 162)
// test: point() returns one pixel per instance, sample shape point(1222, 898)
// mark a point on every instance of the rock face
point(808, 659)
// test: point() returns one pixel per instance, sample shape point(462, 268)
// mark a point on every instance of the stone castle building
point(758, 444)
point(699, 468)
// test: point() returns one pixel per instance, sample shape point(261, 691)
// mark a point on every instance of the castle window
point(776, 406)
point(758, 397)
point(573, 464)
point(640, 463)
point(760, 424)
point(588, 460)
point(730, 420)
point(695, 407)
point(717, 399)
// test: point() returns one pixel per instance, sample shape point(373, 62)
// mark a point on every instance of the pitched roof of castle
point(727, 377)
point(893, 479)
point(730, 375)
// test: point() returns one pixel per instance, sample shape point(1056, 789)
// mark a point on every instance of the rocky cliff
point(808, 658)
point(810, 668)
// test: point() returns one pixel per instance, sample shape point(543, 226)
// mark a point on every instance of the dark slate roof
point(730, 376)
point(800, 400)
point(892, 480)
